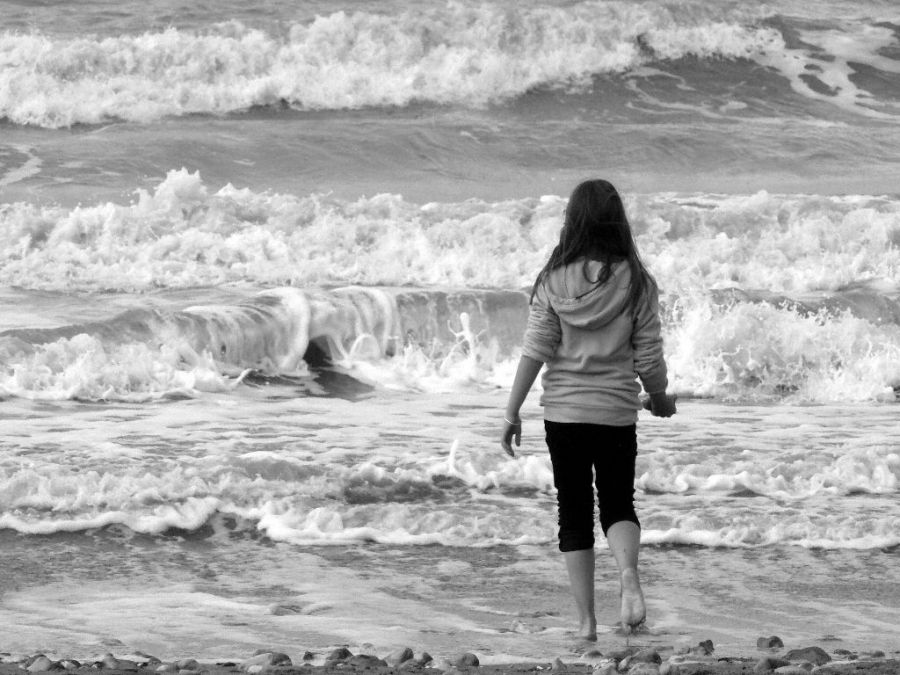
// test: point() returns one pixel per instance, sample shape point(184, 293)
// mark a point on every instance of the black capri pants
point(579, 452)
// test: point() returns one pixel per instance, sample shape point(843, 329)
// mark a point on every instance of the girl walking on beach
point(594, 321)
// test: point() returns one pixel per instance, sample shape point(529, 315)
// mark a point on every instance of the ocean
point(264, 271)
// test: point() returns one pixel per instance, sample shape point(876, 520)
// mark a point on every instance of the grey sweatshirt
point(593, 346)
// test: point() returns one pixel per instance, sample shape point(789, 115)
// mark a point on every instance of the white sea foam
point(470, 54)
point(182, 235)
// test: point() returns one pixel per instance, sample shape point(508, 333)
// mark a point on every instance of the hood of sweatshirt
point(577, 299)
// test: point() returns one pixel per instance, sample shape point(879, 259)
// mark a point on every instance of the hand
point(511, 430)
point(661, 404)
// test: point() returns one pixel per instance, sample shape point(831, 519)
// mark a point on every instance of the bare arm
point(526, 373)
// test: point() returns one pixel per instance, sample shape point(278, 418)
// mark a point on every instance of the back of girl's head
point(595, 223)
point(596, 227)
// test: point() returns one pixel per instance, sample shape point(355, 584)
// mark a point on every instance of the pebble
point(41, 664)
point(646, 656)
point(467, 660)
point(704, 648)
point(619, 654)
point(366, 662)
point(769, 663)
point(644, 668)
point(308, 655)
point(398, 656)
point(608, 669)
point(815, 655)
point(771, 642)
point(424, 658)
point(70, 664)
point(558, 666)
point(791, 670)
point(339, 654)
point(187, 664)
point(167, 668)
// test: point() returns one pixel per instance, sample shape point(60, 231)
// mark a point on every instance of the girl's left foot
point(633, 612)
point(588, 630)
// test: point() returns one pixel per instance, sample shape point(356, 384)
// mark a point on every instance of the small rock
point(192, 672)
point(453, 671)
point(771, 642)
point(70, 664)
point(624, 664)
point(607, 669)
point(263, 660)
point(167, 668)
point(646, 656)
point(815, 655)
point(308, 655)
point(840, 651)
point(769, 663)
point(644, 668)
point(398, 656)
point(424, 658)
point(339, 654)
point(42, 664)
point(467, 660)
point(366, 662)
point(255, 668)
point(791, 670)
point(558, 666)
point(188, 664)
point(704, 648)
point(669, 668)
point(619, 654)
point(877, 654)
point(591, 654)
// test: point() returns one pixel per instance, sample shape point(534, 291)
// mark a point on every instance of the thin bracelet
point(515, 424)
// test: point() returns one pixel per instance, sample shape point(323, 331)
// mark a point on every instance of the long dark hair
point(596, 228)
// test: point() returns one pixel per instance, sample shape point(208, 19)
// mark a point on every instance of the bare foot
point(633, 611)
point(588, 629)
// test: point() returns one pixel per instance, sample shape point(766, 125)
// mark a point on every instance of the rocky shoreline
point(699, 659)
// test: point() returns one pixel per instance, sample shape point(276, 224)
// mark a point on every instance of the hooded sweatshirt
point(593, 345)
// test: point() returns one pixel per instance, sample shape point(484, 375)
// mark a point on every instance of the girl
point(594, 321)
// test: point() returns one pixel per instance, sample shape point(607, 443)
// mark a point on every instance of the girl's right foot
point(633, 611)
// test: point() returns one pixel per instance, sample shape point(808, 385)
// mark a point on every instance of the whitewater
point(264, 272)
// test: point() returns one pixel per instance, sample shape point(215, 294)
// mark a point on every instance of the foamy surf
point(461, 53)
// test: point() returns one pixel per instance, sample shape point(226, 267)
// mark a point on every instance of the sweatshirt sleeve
point(646, 341)
point(543, 333)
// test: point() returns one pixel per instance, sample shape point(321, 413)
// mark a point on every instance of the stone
point(771, 642)
point(166, 668)
point(264, 660)
point(255, 668)
point(187, 664)
point(769, 663)
point(285, 609)
point(840, 651)
point(646, 656)
point(467, 660)
point(424, 658)
point(619, 654)
point(70, 664)
point(624, 664)
point(791, 670)
point(644, 668)
point(366, 662)
point(558, 666)
point(339, 654)
point(592, 654)
point(877, 654)
point(815, 655)
point(704, 648)
point(308, 655)
point(608, 669)
point(42, 664)
point(398, 656)
point(669, 668)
